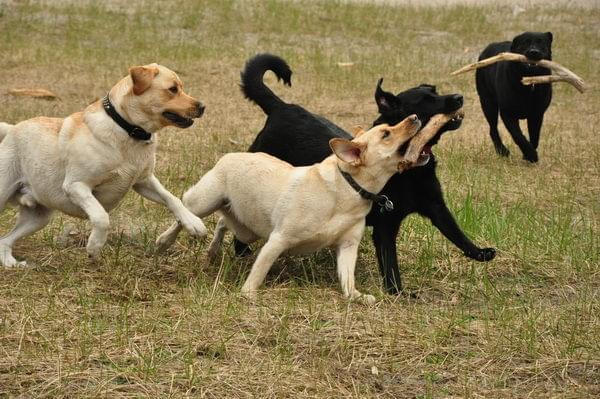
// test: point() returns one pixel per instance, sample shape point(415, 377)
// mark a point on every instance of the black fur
point(500, 90)
point(301, 138)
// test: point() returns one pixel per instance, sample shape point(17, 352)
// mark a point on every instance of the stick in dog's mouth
point(418, 152)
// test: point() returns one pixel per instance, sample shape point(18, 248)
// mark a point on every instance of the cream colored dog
point(304, 209)
point(84, 165)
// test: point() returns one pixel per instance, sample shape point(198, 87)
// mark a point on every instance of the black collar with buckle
point(135, 132)
point(381, 200)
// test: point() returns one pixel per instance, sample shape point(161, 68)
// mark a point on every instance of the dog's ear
point(385, 101)
point(549, 36)
point(357, 131)
point(348, 151)
point(142, 77)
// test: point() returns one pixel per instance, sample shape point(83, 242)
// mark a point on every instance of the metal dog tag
point(386, 204)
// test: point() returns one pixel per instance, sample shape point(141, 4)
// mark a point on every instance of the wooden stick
point(426, 133)
point(561, 74)
point(534, 80)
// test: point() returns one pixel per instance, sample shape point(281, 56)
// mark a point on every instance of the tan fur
point(84, 165)
point(299, 209)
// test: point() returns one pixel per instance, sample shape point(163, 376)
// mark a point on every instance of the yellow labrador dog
point(304, 209)
point(84, 165)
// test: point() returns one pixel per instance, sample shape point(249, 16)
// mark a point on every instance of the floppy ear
point(346, 150)
point(357, 131)
point(385, 101)
point(142, 78)
point(549, 36)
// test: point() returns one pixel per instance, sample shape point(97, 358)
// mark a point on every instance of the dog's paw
point(531, 157)
point(7, 260)
point(212, 252)
point(164, 241)
point(482, 255)
point(367, 299)
point(94, 257)
point(193, 224)
point(502, 150)
point(249, 295)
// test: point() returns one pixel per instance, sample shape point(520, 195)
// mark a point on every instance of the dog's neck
point(371, 179)
point(134, 131)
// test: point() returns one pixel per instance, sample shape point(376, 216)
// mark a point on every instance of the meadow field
point(526, 324)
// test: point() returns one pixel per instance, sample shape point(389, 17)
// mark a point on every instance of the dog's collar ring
point(384, 203)
point(135, 132)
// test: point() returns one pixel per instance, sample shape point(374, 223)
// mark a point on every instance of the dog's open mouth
point(424, 156)
point(178, 120)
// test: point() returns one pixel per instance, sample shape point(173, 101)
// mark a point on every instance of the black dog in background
point(500, 89)
point(301, 138)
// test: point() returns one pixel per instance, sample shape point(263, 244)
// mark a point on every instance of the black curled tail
point(253, 86)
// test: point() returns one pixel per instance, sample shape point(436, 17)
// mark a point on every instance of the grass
point(524, 325)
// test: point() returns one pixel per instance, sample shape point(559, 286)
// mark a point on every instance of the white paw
point(249, 293)
point(93, 254)
point(365, 299)
point(14, 264)
point(6, 258)
point(193, 224)
point(368, 299)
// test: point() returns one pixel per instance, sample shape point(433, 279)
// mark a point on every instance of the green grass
point(525, 324)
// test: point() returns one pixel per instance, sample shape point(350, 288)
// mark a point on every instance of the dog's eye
point(386, 134)
point(173, 89)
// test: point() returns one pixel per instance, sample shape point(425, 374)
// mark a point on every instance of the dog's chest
point(115, 183)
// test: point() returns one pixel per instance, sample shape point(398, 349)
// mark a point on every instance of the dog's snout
point(457, 98)
point(533, 54)
point(199, 109)
point(413, 118)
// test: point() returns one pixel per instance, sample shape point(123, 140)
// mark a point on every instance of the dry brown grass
point(525, 325)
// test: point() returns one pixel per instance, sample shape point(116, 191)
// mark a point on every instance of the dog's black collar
point(135, 132)
point(382, 200)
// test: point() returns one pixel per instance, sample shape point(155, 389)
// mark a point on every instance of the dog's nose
point(533, 54)
point(200, 109)
point(457, 99)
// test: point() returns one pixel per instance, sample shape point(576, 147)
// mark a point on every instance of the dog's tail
point(253, 86)
point(4, 128)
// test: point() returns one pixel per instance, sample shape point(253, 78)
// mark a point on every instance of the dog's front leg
point(274, 246)
point(347, 252)
point(441, 218)
point(153, 190)
point(81, 195)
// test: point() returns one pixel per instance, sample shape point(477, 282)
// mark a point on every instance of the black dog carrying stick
point(561, 74)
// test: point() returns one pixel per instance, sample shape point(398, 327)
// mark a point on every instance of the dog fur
point(304, 209)
point(84, 165)
point(501, 91)
point(301, 138)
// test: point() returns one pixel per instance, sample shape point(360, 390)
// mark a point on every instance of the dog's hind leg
point(512, 125)
point(490, 111)
point(215, 244)
point(29, 221)
point(202, 199)
point(384, 239)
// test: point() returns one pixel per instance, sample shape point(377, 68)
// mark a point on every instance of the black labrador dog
point(500, 89)
point(301, 138)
